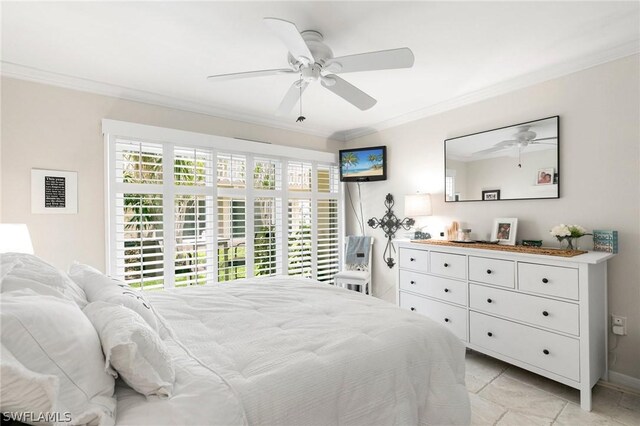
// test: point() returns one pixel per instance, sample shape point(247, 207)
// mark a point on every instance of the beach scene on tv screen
point(361, 163)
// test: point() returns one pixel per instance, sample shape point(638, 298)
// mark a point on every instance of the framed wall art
point(54, 192)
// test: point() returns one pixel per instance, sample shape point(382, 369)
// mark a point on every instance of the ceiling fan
point(311, 60)
point(521, 139)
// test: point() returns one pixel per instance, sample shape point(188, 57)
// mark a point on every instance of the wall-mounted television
point(363, 164)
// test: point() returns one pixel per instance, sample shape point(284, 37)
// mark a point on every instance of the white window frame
point(170, 138)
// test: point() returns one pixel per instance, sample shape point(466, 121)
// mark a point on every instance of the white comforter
point(286, 351)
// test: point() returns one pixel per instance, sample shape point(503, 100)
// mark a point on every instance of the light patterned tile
point(626, 416)
point(573, 415)
point(548, 385)
point(630, 401)
point(481, 369)
point(484, 412)
point(523, 398)
point(513, 418)
point(605, 400)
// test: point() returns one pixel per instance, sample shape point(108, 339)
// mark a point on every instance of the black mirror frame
point(500, 128)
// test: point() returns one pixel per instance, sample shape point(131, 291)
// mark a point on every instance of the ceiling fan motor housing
point(320, 51)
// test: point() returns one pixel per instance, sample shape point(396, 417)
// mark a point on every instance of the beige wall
point(600, 163)
point(54, 128)
point(50, 127)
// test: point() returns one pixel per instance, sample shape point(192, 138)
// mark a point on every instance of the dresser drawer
point(550, 280)
point(553, 314)
point(449, 265)
point(543, 349)
point(492, 271)
point(440, 288)
point(452, 317)
point(414, 259)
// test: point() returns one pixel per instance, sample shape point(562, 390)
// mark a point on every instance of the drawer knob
point(446, 320)
point(412, 259)
point(412, 282)
point(488, 271)
point(446, 265)
point(489, 334)
point(546, 352)
point(544, 280)
point(545, 313)
point(446, 290)
point(489, 301)
point(413, 309)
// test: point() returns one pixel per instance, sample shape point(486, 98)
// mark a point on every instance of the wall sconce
point(389, 223)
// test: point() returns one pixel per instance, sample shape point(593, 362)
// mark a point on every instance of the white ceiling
point(161, 52)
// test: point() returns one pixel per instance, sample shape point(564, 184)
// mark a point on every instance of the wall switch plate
point(619, 325)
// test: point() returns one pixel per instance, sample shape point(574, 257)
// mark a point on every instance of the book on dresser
point(543, 313)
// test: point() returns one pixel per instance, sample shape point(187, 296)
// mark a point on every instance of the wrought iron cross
point(390, 224)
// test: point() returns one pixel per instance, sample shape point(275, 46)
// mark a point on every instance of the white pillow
point(20, 270)
point(25, 391)
point(99, 287)
point(51, 336)
point(133, 349)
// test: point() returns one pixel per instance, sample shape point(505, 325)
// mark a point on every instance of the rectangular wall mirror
point(517, 162)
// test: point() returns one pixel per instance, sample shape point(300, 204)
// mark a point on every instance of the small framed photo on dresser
point(504, 230)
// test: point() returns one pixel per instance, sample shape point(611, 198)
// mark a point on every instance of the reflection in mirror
point(510, 163)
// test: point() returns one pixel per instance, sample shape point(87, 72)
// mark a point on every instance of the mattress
point(292, 351)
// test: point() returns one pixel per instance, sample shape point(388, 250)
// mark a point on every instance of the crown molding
point(521, 82)
point(21, 72)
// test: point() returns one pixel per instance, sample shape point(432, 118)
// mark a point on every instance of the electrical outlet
point(619, 325)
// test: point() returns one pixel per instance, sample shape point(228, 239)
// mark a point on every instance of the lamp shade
point(14, 237)
point(417, 205)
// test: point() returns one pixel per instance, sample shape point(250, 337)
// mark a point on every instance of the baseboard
point(623, 380)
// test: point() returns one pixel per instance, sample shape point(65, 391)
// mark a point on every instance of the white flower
point(561, 230)
point(580, 229)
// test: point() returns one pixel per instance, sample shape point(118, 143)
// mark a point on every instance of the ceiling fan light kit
point(312, 60)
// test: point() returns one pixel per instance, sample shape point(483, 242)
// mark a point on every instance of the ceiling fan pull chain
point(301, 118)
point(519, 157)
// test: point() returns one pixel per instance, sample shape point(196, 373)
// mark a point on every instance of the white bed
point(287, 351)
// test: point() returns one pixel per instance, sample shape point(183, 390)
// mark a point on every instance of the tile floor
point(502, 394)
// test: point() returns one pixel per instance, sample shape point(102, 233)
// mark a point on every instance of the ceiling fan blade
point(249, 74)
point(291, 98)
point(544, 139)
point(288, 33)
point(503, 144)
point(490, 150)
point(381, 60)
point(349, 93)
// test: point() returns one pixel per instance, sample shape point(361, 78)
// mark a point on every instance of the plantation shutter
point(299, 238)
point(183, 215)
point(194, 216)
point(139, 228)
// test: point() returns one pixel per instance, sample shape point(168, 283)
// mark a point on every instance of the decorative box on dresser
point(546, 314)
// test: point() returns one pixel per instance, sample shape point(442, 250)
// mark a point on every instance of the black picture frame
point(488, 195)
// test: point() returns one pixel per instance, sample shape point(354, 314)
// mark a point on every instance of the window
point(187, 212)
point(450, 185)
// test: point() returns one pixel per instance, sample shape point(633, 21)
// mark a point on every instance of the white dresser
point(547, 314)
